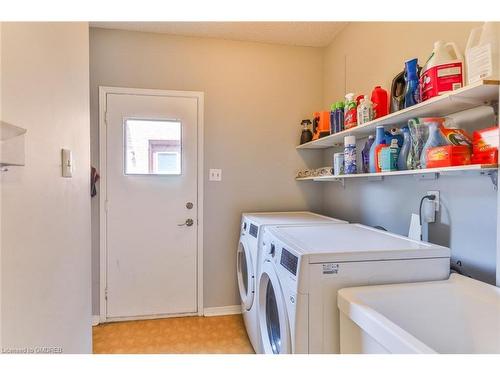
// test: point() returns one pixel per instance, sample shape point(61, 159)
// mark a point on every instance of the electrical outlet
point(431, 207)
point(215, 175)
point(437, 201)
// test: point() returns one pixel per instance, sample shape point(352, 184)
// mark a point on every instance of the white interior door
point(151, 205)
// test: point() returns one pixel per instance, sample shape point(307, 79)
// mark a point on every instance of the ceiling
point(309, 34)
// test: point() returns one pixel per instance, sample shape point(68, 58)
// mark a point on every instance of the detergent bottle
point(365, 110)
point(481, 53)
point(379, 139)
point(443, 71)
point(365, 154)
point(412, 90)
point(435, 139)
point(380, 100)
point(350, 112)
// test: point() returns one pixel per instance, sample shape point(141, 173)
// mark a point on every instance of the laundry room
point(257, 185)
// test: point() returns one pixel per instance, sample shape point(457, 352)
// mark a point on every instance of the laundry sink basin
point(458, 315)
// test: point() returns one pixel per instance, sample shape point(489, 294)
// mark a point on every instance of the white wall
point(45, 272)
point(0, 191)
point(255, 97)
point(367, 54)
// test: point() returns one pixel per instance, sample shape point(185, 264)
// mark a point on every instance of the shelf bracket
point(494, 178)
point(494, 104)
point(427, 176)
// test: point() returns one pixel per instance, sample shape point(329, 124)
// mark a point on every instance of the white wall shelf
point(481, 93)
point(485, 169)
point(11, 145)
point(8, 131)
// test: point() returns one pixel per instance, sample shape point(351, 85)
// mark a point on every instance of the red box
point(485, 146)
point(448, 156)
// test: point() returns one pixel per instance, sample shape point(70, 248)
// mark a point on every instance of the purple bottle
point(365, 154)
point(339, 116)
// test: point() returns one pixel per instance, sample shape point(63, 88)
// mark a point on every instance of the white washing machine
point(252, 225)
point(303, 268)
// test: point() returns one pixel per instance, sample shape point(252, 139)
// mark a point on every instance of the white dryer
point(304, 267)
point(252, 225)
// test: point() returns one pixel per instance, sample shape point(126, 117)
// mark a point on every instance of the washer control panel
point(289, 261)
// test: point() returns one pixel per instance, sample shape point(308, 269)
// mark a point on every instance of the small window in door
point(152, 147)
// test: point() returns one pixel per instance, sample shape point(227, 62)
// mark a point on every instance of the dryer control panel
point(289, 261)
point(254, 230)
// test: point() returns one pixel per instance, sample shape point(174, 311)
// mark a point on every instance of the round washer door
point(273, 319)
point(245, 272)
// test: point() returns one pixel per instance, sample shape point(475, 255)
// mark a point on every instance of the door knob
point(189, 222)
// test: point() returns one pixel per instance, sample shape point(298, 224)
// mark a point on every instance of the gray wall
point(255, 97)
point(467, 221)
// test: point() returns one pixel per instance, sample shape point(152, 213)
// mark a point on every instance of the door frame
point(103, 92)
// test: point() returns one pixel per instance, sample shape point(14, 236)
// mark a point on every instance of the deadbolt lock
point(189, 205)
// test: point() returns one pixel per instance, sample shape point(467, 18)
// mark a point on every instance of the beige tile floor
point(187, 335)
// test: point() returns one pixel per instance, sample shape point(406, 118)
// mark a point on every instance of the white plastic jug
point(443, 71)
point(481, 53)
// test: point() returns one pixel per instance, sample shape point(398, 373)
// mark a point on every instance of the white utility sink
point(458, 315)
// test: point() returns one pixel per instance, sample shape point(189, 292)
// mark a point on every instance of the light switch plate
point(67, 163)
point(215, 175)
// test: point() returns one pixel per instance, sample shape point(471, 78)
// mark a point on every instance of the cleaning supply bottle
point(435, 139)
point(333, 125)
point(365, 110)
point(482, 53)
point(350, 155)
point(389, 157)
point(306, 135)
point(339, 116)
point(365, 154)
point(380, 100)
point(378, 154)
point(443, 71)
point(350, 112)
point(412, 90)
point(379, 138)
point(394, 133)
point(405, 149)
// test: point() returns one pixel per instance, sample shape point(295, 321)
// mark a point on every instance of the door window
point(273, 319)
point(242, 261)
point(152, 147)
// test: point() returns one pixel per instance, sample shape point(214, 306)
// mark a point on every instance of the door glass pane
point(272, 319)
point(152, 147)
point(243, 268)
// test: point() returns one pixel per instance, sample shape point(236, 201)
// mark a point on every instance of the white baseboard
point(95, 320)
point(222, 310)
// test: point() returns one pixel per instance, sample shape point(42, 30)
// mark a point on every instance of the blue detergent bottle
point(379, 138)
point(412, 87)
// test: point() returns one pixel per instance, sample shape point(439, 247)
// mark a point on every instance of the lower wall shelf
point(485, 169)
